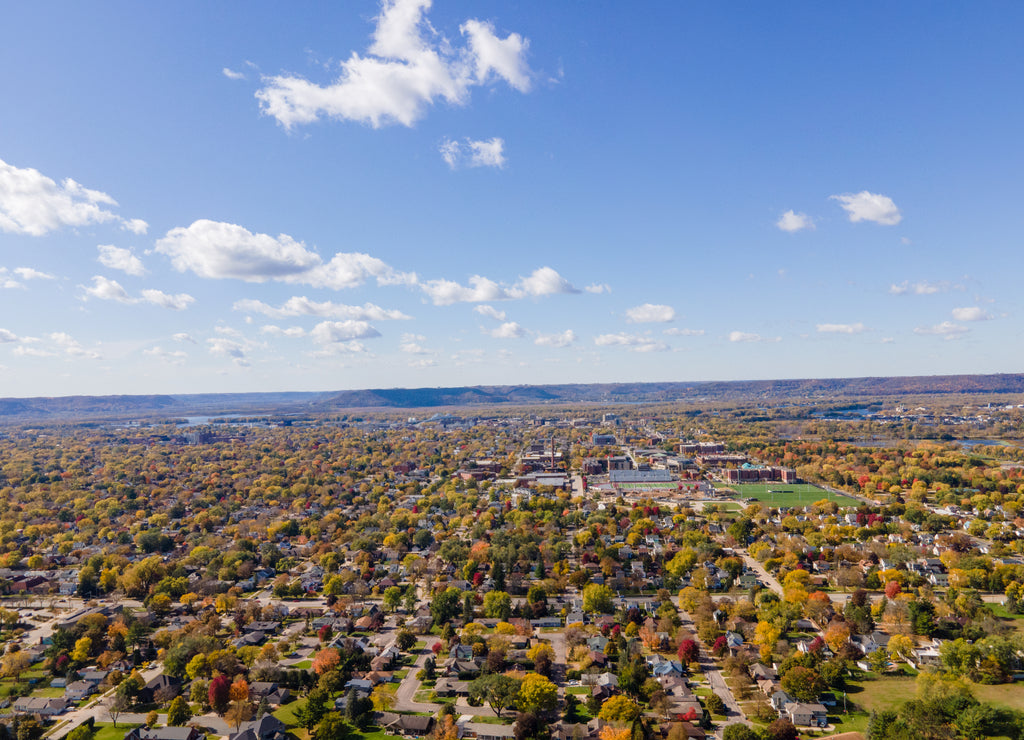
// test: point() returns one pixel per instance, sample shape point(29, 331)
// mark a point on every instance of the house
point(274, 694)
point(449, 686)
point(78, 690)
point(407, 725)
point(160, 688)
point(40, 706)
point(483, 731)
point(267, 727)
point(165, 733)
point(806, 715)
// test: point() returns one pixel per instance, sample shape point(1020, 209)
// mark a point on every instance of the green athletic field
point(787, 495)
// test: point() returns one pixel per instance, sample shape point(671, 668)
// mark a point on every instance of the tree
point(496, 689)
point(530, 726)
point(14, 664)
point(739, 732)
point(610, 732)
point(382, 699)
point(688, 651)
point(900, 647)
point(118, 705)
point(782, 729)
point(240, 689)
point(803, 684)
point(82, 651)
point(766, 635)
point(392, 597)
point(326, 660)
point(198, 667)
point(405, 640)
point(332, 727)
point(178, 713)
point(446, 605)
point(597, 598)
point(537, 693)
point(219, 694)
point(316, 707)
point(497, 605)
point(82, 732)
point(239, 712)
point(715, 704)
point(619, 709)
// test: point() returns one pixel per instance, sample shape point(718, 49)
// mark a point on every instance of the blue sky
point(248, 196)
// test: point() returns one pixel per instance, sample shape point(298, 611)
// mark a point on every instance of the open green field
point(788, 495)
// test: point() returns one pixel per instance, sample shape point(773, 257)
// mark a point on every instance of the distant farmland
point(787, 496)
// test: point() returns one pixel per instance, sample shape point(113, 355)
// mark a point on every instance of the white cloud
point(184, 337)
point(677, 332)
point(946, 328)
point(857, 328)
point(117, 258)
point(70, 346)
point(225, 347)
point(920, 288)
point(635, 342)
point(598, 288)
point(508, 330)
point(742, 336)
point(451, 152)
point(971, 313)
point(563, 339)
point(25, 350)
point(135, 225)
point(491, 311)
point(650, 313)
point(332, 332)
point(214, 249)
point(422, 363)
point(175, 357)
point(865, 206)
point(793, 222)
point(413, 348)
point(7, 336)
point(488, 153)
point(447, 292)
point(106, 289)
point(232, 74)
point(177, 302)
point(502, 58)
point(32, 203)
point(292, 332)
point(30, 273)
point(303, 306)
point(408, 66)
point(542, 282)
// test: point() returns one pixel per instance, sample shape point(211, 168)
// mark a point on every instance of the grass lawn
point(374, 733)
point(577, 690)
point(884, 692)
point(287, 713)
point(788, 495)
point(1008, 695)
point(49, 693)
point(306, 664)
point(107, 731)
point(484, 719)
point(1000, 611)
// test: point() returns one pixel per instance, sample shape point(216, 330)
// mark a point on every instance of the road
point(410, 684)
point(716, 680)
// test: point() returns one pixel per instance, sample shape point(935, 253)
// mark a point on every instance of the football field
point(787, 495)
